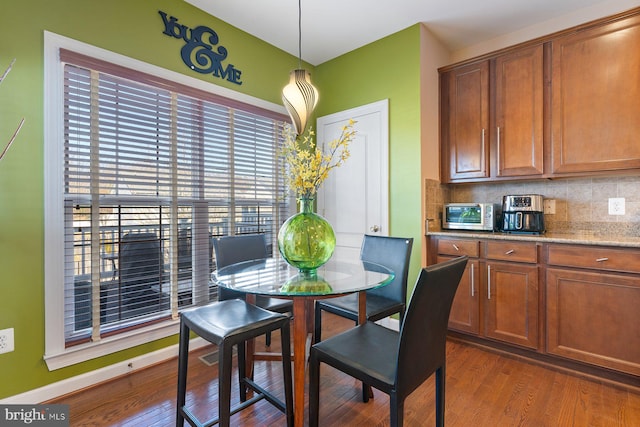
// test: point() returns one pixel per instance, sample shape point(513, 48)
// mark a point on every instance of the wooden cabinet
point(511, 299)
point(465, 102)
point(595, 99)
point(479, 142)
point(563, 105)
point(518, 128)
point(465, 311)
point(593, 306)
point(498, 295)
point(578, 304)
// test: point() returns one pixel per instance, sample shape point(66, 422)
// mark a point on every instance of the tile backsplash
point(582, 204)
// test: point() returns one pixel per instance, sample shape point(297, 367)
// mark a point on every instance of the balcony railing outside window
point(115, 277)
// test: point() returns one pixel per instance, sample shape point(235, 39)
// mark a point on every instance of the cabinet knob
point(456, 247)
point(375, 228)
point(601, 259)
point(510, 251)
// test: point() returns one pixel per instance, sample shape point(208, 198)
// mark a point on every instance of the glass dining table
point(273, 277)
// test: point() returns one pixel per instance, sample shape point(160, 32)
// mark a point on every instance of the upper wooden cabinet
point(596, 99)
point(465, 104)
point(519, 89)
point(492, 114)
point(563, 105)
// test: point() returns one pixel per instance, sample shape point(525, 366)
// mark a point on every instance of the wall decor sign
point(198, 52)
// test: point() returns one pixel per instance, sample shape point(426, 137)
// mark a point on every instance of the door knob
point(375, 228)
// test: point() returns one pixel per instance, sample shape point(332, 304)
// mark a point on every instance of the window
point(153, 170)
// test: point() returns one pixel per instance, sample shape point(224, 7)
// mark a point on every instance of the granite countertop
point(581, 238)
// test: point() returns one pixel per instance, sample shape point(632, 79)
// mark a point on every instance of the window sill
point(82, 353)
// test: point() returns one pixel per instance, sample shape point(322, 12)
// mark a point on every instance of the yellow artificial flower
point(307, 166)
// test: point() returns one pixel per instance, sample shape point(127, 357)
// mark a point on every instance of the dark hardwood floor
point(483, 388)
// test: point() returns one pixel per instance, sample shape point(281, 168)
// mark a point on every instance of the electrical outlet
point(616, 206)
point(550, 206)
point(6, 340)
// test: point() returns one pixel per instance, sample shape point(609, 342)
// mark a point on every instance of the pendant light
point(299, 96)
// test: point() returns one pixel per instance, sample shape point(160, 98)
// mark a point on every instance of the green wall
point(131, 28)
point(388, 68)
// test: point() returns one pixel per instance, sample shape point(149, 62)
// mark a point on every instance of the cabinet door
point(467, 123)
point(511, 303)
point(519, 88)
point(465, 311)
point(596, 99)
point(594, 317)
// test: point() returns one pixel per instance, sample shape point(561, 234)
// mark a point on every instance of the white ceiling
point(331, 28)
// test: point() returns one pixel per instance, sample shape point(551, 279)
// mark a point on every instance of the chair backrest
point(140, 260)
point(184, 248)
point(232, 249)
point(393, 253)
point(423, 332)
point(243, 247)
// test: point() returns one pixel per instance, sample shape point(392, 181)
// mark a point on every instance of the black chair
point(391, 252)
point(246, 247)
point(141, 271)
point(396, 363)
point(227, 324)
point(184, 251)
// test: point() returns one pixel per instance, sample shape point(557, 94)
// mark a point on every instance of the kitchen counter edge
point(568, 238)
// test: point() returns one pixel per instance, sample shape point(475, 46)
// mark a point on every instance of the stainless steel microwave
point(471, 216)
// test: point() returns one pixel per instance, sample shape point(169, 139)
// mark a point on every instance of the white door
point(355, 196)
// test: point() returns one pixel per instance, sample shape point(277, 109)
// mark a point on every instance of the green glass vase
point(306, 240)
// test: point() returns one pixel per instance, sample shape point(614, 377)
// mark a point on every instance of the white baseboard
point(69, 385)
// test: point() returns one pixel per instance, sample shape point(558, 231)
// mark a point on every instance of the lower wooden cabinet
point(511, 303)
point(572, 302)
point(496, 299)
point(465, 311)
point(593, 306)
point(593, 318)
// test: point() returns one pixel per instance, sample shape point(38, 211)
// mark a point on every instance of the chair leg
point(267, 339)
point(396, 410)
point(242, 370)
point(224, 384)
point(317, 329)
point(285, 337)
point(367, 392)
point(314, 389)
point(440, 380)
point(183, 360)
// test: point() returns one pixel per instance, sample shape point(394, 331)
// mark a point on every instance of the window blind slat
point(170, 168)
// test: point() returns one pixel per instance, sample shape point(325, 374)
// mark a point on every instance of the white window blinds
point(153, 171)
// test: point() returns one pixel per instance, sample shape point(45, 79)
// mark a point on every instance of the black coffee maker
point(523, 214)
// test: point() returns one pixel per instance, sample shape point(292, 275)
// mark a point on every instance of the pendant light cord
point(299, 34)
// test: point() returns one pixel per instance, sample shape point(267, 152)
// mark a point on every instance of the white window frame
point(56, 355)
